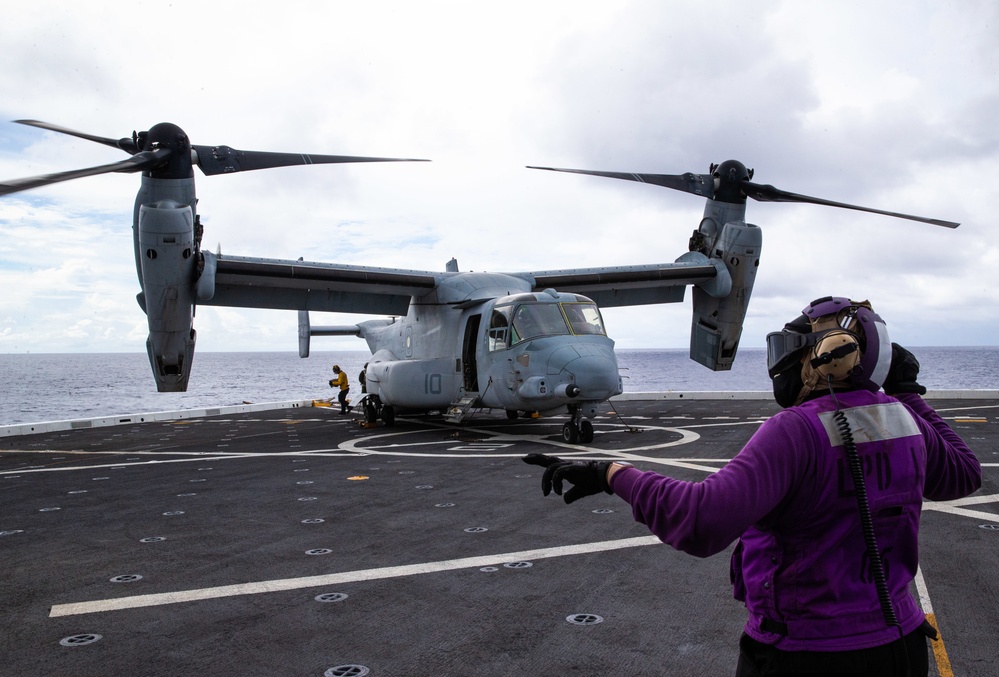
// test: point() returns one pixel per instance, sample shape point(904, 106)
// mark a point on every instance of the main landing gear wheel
point(370, 411)
point(388, 414)
point(373, 409)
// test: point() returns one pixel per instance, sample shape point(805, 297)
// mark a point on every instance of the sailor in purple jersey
point(824, 501)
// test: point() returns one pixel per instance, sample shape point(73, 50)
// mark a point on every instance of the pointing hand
point(587, 477)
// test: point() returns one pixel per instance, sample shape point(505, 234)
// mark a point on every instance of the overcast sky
point(892, 105)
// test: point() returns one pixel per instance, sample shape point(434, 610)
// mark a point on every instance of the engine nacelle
point(167, 255)
point(720, 305)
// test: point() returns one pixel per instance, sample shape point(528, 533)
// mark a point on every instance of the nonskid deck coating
point(294, 541)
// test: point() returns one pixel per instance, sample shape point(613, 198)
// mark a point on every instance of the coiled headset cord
point(867, 524)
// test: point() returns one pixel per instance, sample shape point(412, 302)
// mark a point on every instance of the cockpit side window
point(499, 328)
point(584, 318)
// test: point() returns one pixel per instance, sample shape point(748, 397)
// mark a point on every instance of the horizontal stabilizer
point(306, 331)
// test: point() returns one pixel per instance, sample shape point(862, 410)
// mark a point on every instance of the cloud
point(868, 103)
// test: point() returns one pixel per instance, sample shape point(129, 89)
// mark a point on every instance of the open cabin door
point(469, 367)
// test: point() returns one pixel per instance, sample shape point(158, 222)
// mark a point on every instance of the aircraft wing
point(303, 285)
point(612, 286)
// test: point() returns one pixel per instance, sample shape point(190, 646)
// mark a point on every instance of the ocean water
point(55, 387)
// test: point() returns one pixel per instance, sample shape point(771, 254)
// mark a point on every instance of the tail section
point(306, 331)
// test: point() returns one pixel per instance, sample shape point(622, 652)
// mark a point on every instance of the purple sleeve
point(952, 471)
point(703, 518)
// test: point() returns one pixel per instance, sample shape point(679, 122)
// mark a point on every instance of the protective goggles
point(784, 348)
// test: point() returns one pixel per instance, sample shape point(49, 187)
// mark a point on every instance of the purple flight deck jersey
point(788, 496)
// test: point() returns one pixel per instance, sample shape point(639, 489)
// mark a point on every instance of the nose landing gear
point(579, 430)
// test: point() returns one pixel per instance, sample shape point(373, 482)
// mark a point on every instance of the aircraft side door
point(469, 364)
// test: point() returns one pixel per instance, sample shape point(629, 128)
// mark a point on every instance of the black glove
point(587, 477)
point(903, 372)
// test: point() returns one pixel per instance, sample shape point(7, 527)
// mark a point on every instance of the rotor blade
point(688, 183)
point(226, 160)
point(767, 193)
point(125, 144)
point(136, 163)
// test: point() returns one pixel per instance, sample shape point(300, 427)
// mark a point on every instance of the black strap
point(776, 627)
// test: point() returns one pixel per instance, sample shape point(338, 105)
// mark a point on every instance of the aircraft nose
point(592, 368)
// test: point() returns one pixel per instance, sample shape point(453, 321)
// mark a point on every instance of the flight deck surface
point(297, 542)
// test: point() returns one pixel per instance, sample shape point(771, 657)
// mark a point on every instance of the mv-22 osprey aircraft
point(521, 341)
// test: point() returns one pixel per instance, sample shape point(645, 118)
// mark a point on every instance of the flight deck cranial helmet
point(835, 342)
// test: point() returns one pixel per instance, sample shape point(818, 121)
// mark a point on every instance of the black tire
point(388, 415)
point(585, 432)
point(570, 434)
point(512, 414)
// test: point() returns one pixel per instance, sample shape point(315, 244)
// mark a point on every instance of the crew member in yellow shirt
point(340, 379)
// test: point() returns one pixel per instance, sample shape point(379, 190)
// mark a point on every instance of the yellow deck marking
point(939, 650)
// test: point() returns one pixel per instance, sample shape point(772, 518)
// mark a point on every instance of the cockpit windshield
point(584, 318)
point(512, 324)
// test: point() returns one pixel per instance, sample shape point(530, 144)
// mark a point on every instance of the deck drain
point(308, 498)
point(444, 505)
point(407, 472)
point(318, 551)
point(602, 511)
point(11, 532)
point(190, 494)
point(488, 570)
point(347, 671)
point(79, 640)
point(97, 479)
point(171, 513)
point(475, 530)
point(126, 578)
point(305, 482)
point(198, 480)
point(48, 509)
point(152, 539)
point(584, 619)
point(78, 491)
point(425, 486)
point(313, 520)
point(990, 527)
point(331, 597)
point(518, 565)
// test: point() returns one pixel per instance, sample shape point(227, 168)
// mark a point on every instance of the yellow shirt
point(341, 380)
